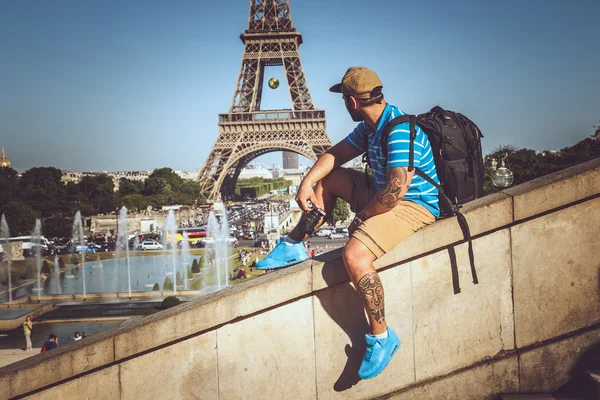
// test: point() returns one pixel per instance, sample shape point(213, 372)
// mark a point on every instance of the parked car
point(64, 249)
point(151, 245)
point(322, 233)
point(94, 246)
point(340, 233)
point(108, 246)
point(83, 248)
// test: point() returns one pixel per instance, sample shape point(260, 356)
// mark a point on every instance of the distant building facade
point(188, 175)
point(76, 177)
point(290, 160)
point(248, 173)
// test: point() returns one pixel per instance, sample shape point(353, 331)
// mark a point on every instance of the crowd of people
point(244, 215)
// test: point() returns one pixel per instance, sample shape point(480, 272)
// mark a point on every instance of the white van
point(323, 232)
point(28, 242)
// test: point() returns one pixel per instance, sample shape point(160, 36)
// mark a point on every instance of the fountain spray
point(171, 241)
point(220, 234)
point(37, 233)
point(78, 238)
point(5, 234)
point(56, 275)
point(185, 256)
point(123, 241)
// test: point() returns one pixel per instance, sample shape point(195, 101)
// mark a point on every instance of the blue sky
point(138, 84)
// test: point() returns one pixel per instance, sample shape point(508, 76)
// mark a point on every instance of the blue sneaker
point(378, 355)
point(283, 255)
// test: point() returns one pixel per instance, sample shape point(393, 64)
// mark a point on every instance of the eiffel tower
point(247, 132)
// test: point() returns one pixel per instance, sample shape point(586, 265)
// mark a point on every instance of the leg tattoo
point(371, 290)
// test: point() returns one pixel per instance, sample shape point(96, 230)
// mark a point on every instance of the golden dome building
point(4, 163)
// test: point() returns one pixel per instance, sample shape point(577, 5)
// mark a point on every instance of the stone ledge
point(212, 310)
point(555, 190)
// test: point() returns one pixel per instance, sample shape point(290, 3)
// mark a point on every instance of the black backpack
point(456, 145)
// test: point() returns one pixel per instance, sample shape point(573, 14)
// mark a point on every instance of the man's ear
point(353, 102)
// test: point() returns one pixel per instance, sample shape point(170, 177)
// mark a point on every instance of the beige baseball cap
point(358, 82)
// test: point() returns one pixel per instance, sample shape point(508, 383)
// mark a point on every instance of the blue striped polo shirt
point(420, 191)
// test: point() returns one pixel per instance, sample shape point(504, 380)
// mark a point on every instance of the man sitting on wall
point(389, 206)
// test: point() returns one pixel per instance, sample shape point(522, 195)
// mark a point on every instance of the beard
point(356, 116)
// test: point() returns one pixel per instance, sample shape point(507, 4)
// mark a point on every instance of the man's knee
point(356, 254)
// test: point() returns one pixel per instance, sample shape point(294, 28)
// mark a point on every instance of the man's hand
point(306, 193)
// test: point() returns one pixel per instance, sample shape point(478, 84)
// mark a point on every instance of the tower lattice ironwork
point(247, 132)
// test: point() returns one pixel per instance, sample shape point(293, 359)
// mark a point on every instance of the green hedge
point(251, 188)
point(169, 302)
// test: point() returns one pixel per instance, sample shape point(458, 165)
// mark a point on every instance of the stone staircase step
point(527, 397)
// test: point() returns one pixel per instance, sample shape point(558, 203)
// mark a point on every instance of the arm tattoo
point(371, 291)
point(397, 179)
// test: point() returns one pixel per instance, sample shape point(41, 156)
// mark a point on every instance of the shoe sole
point(387, 362)
point(287, 264)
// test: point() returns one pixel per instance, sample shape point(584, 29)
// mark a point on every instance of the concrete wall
point(298, 333)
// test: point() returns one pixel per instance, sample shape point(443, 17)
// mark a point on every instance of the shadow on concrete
point(579, 384)
point(343, 305)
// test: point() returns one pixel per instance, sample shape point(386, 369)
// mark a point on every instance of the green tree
point(43, 190)
point(203, 260)
point(189, 273)
point(169, 175)
point(20, 217)
point(129, 187)
point(341, 212)
point(99, 193)
point(187, 193)
point(167, 284)
point(9, 185)
point(195, 266)
point(135, 202)
point(57, 226)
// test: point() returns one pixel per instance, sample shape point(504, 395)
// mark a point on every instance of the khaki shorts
point(381, 233)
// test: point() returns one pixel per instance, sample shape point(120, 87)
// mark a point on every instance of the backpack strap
point(464, 226)
point(446, 205)
point(387, 129)
point(449, 208)
point(413, 136)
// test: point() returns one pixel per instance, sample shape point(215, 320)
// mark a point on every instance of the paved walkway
point(9, 356)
